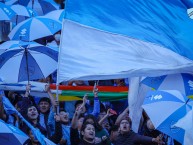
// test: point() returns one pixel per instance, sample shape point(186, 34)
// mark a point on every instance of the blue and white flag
point(10, 109)
point(125, 38)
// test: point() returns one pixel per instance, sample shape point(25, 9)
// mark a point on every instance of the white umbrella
point(165, 108)
point(11, 135)
point(27, 61)
point(6, 45)
point(57, 14)
point(186, 123)
point(34, 28)
point(181, 82)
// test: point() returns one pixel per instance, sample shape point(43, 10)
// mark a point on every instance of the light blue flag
point(125, 38)
point(10, 109)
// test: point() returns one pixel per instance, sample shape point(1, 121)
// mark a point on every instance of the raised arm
point(74, 123)
point(52, 99)
point(121, 116)
point(105, 117)
point(96, 109)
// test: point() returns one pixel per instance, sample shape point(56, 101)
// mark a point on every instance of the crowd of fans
point(93, 122)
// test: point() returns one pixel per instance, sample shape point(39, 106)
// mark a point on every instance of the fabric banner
point(105, 40)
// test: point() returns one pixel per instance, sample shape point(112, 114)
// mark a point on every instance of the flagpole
point(58, 68)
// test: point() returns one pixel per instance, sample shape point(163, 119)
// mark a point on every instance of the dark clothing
point(75, 139)
point(25, 128)
point(56, 137)
point(74, 136)
point(131, 138)
point(82, 142)
point(151, 133)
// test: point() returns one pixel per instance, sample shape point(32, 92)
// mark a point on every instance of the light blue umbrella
point(57, 14)
point(6, 13)
point(182, 82)
point(41, 6)
point(11, 135)
point(35, 28)
point(27, 61)
point(6, 45)
point(23, 11)
point(165, 108)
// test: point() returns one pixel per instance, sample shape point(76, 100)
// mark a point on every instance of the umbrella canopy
point(24, 62)
point(57, 14)
point(40, 6)
point(34, 28)
point(165, 108)
point(23, 11)
point(186, 123)
point(7, 45)
point(181, 82)
point(11, 135)
point(6, 12)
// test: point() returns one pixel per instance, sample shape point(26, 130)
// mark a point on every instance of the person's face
point(44, 106)
point(32, 113)
point(124, 126)
point(83, 108)
point(106, 125)
point(64, 116)
point(89, 132)
point(80, 122)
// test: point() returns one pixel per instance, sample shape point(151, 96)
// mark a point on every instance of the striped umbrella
point(6, 12)
point(34, 28)
point(23, 11)
point(27, 61)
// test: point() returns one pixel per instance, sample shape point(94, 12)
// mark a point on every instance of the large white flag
point(119, 39)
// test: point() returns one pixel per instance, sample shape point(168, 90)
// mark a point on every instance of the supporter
point(128, 137)
point(82, 104)
point(114, 133)
point(44, 107)
point(87, 136)
point(54, 138)
point(64, 119)
point(149, 130)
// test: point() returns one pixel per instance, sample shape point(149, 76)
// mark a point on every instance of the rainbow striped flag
point(106, 93)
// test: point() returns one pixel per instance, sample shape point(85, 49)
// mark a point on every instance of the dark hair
point(114, 128)
point(25, 113)
point(45, 99)
point(83, 128)
point(81, 116)
point(77, 103)
point(62, 109)
point(96, 124)
point(128, 119)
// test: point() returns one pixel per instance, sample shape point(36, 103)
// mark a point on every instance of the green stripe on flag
point(103, 96)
